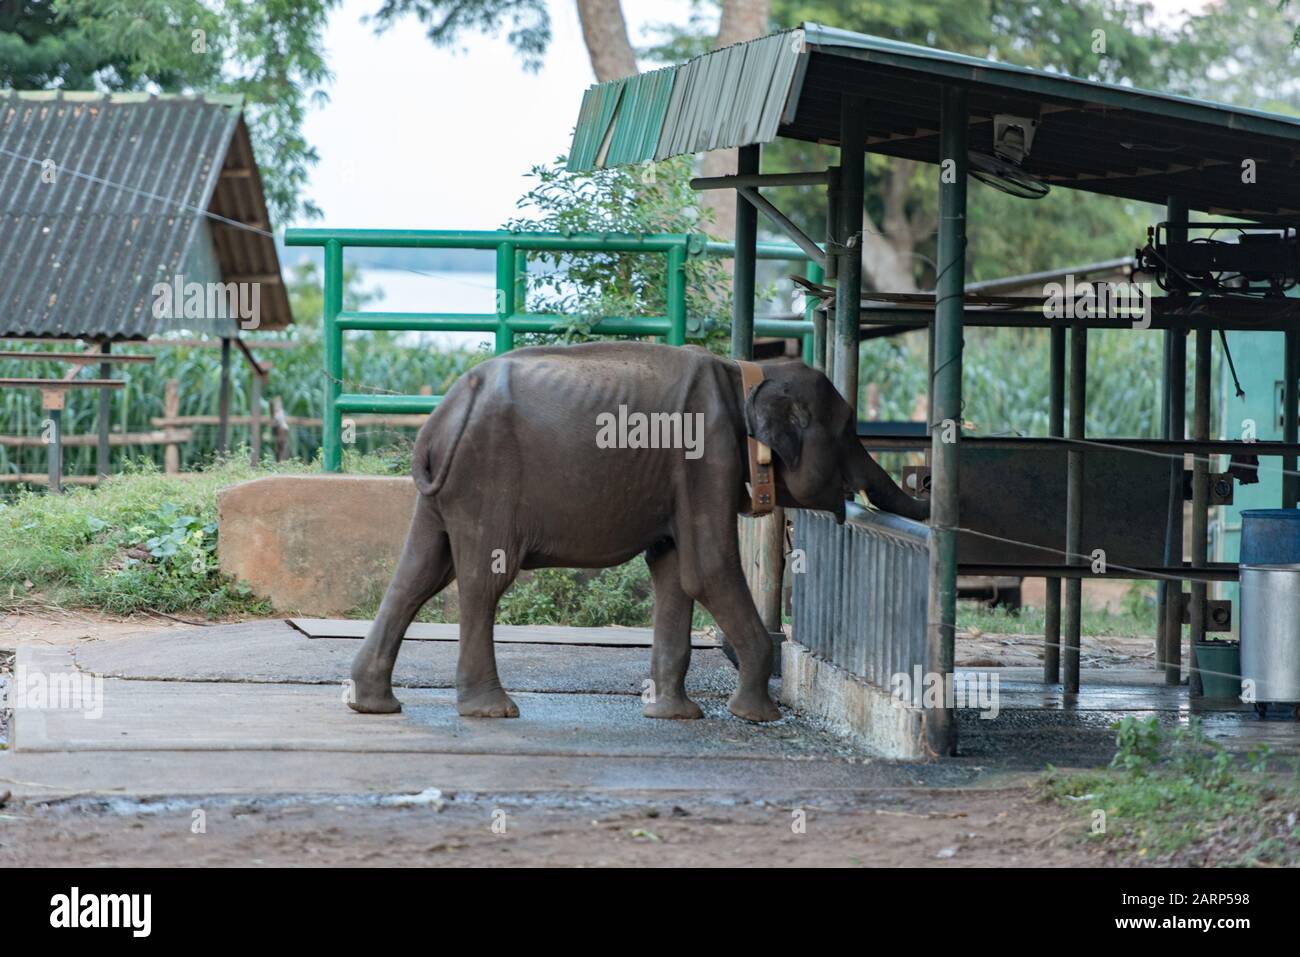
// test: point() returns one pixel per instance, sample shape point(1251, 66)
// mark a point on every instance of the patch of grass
point(619, 596)
point(144, 541)
point(1183, 799)
point(1096, 622)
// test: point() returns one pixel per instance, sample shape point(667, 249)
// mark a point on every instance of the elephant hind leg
point(424, 569)
point(671, 655)
point(485, 574)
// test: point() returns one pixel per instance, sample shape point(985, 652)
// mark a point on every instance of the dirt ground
point(911, 829)
point(59, 626)
point(878, 828)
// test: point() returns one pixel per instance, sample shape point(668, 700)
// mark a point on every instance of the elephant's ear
point(774, 418)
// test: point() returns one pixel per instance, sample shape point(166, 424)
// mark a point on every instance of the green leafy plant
point(655, 198)
point(1137, 744)
point(1178, 796)
point(143, 541)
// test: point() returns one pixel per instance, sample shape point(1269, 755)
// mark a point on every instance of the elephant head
point(812, 431)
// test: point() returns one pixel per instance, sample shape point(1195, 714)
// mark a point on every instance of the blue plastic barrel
point(1270, 536)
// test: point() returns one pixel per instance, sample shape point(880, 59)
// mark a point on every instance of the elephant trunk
point(882, 491)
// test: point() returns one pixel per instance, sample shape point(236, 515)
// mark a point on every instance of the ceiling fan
point(1013, 137)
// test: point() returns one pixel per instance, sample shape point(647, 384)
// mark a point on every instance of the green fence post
point(506, 297)
point(813, 273)
point(521, 280)
point(331, 427)
point(677, 294)
point(945, 414)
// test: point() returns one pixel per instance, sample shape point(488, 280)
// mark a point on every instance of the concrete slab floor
point(256, 708)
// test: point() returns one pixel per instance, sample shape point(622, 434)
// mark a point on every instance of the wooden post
point(105, 410)
point(171, 409)
point(52, 405)
point(255, 419)
point(223, 429)
point(279, 429)
point(772, 564)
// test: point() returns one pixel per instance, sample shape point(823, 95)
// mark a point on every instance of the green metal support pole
point(1056, 427)
point(1290, 408)
point(833, 256)
point(521, 280)
point(104, 414)
point(1200, 499)
point(744, 264)
point(814, 344)
point(1073, 611)
point(1174, 527)
point(1175, 428)
point(945, 414)
point(506, 290)
point(1162, 586)
point(331, 429)
point(677, 300)
point(848, 284)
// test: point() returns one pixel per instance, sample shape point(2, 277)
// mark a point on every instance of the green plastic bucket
point(1220, 665)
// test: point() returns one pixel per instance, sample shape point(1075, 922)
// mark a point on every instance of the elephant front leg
point(719, 584)
point(671, 655)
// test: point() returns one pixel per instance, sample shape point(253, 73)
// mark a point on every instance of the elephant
point(533, 459)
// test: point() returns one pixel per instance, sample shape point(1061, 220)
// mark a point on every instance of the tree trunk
point(741, 20)
point(889, 247)
point(605, 32)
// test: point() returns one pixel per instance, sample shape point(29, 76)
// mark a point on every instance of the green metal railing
point(512, 250)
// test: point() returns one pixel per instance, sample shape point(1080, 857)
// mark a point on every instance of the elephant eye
point(799, 416)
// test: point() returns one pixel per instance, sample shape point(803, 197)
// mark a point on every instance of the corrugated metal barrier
point(860, 600)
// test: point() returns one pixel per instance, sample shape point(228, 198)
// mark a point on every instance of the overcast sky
point(420, 137)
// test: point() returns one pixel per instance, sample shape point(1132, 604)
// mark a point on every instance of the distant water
point(435, 291)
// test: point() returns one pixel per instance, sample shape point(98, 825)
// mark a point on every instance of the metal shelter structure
point(105, 196)
point(967, 115)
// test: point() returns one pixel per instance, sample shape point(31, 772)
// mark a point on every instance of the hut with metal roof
point(1024, 131)
point(106, 198)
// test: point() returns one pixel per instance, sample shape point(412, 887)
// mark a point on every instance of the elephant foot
point(682, 708)
point(493, 703)
point(373, 696)
point(753, 706)
point(379, 703)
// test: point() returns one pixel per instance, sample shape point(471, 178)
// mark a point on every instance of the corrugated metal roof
point(1093, 136)
point(132, 178)
point(730, 97)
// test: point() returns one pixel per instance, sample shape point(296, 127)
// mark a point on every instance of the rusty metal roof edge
point(234, 101)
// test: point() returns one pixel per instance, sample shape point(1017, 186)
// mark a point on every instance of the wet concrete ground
point(257, 708)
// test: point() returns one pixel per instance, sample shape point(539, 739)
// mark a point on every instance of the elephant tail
point(430, 476)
